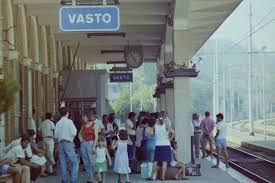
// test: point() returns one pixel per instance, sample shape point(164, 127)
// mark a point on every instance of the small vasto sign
point(89, 18)
point(121, 77)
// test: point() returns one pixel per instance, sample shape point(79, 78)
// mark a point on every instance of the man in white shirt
point(131, 129)
point(117, 121)
point(17, 156)
point(47, 131)
point(16, 142)
point(220, 140)
point(65, 132)
point(197, 133)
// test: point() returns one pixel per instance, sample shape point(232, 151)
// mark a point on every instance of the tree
point(8, 88)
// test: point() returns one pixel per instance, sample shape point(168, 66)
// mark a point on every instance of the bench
point(7, 178)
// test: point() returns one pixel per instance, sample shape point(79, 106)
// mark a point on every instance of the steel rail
point(248, 173)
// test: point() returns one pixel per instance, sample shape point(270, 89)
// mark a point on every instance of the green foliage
point(145, 74)
point(8, 88)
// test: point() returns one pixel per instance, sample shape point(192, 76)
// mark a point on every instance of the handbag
point(192, 169)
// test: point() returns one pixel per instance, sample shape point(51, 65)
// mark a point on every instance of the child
point(100, 151)
point(121, 158)
point(39, 158)
point(175, 163)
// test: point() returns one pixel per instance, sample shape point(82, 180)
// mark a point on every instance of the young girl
point(121, 158)
point(101, 152)
point(175, 163)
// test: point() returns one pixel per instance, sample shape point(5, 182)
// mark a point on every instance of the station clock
point(133, 56)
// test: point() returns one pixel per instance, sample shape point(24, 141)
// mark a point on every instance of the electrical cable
point(70, 71)
point(236, 44)
point(234, 53)
point(258, 23)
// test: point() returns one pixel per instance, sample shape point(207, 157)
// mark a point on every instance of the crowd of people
point(143, 137)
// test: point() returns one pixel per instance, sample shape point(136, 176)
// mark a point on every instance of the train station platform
point(255, 143)
point(209, 175)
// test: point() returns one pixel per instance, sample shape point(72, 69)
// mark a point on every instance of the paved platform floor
point(209, 175)
point(257, 142)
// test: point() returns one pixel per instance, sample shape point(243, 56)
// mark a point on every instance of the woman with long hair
point(88, 136)
point(164, 134)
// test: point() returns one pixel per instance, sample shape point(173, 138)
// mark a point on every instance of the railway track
point(256, 168)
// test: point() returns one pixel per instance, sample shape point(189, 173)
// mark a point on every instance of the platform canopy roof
point(143, 21)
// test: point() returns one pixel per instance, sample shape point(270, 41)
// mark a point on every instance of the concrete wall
point(90, 84)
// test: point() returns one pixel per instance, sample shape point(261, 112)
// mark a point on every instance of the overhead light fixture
point(120, 69)
point(115, 62)
point(69, 2)
point(103, 34)
point(111, 51)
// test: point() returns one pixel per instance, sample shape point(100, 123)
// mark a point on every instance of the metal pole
point(263, 90)
point(223, 85)
point(217, 81)
point(271, 109)
point(239, 106)
point(251, 123)
point(224, 93)
point(74, 2)
point(131, 102)
point(231, 93)
point(214, 87)
point(141, 95)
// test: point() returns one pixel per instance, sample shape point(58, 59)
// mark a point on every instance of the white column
point(26, 60)
point(2, 118)
point(30, 106)
point(44, 46)
point(182, 97)
point(169, 97)
point(60, 56)
point(182, 117)
point(158, 105)
point(162, 102)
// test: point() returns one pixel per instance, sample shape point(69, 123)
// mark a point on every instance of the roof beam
point(135, 29)
point(125, 9)
point(58, 1)
point(117, 43)
point(130, 36)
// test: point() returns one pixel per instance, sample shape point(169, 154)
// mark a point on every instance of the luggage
point(192, 169)
point(146, 169)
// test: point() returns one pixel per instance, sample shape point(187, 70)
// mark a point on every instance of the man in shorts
point(6, 167)
point(220, 140)
point(207, 126)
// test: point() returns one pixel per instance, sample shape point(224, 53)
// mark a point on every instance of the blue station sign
point(89, 18)
point(121, 77)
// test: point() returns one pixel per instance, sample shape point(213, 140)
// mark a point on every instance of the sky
point(237, 24)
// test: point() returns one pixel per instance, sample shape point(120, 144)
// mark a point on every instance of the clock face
point(134, 59)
